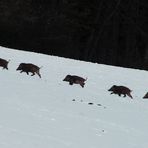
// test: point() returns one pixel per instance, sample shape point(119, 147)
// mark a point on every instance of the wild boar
point(72, 79)
point(28, 67)
point(4, 63)
point(146, 96)
point(120, 90)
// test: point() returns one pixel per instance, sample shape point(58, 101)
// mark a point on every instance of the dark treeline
point(113, 32)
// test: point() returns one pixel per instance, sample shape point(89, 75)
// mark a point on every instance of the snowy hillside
point(49, 113)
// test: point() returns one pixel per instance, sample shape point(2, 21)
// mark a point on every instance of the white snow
point(41, 113)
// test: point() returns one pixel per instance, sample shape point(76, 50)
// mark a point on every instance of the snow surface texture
point(50, 113)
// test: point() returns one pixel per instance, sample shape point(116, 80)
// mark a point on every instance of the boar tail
point(9, 60)
point(86, 79)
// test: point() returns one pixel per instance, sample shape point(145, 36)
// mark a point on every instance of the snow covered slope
point(42, 113)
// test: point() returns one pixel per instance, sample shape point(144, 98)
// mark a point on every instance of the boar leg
point(33, 74)
point(119, 95)
point(124, 95)
point(82, 84)
point(38, 74)
point(130, 95)
point(70, 82)
point(5, 67)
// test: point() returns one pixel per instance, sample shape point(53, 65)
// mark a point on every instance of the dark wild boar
point(120, 90)
point(72, 79)
point(28, 67)
point(4, 63)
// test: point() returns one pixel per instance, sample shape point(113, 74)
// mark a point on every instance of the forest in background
point(111, 32)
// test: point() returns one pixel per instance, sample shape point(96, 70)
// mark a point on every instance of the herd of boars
point(72, 79)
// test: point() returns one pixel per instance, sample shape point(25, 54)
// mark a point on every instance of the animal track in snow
point(90, 103)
